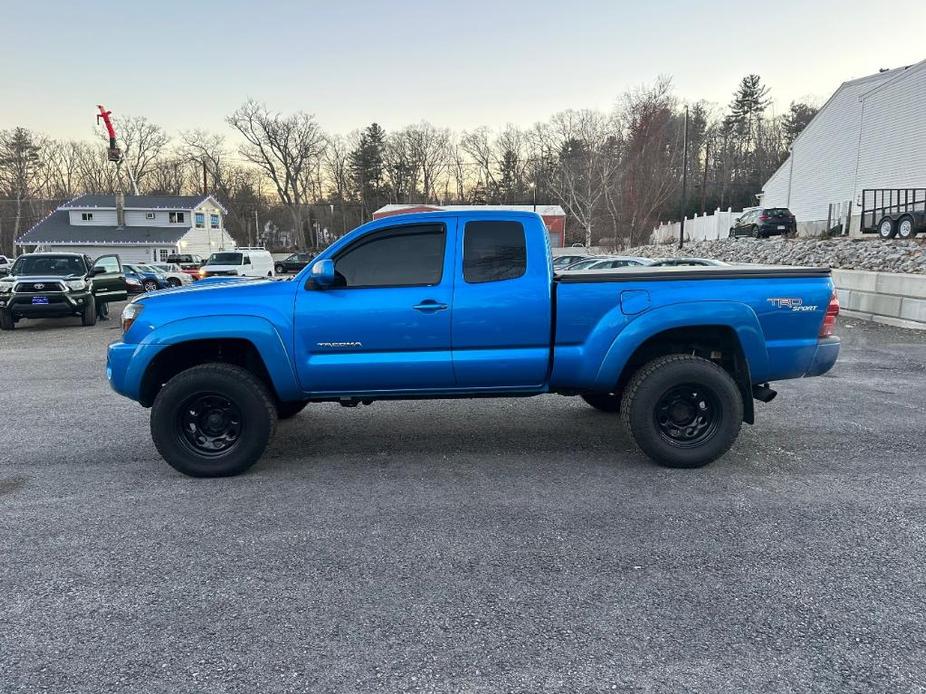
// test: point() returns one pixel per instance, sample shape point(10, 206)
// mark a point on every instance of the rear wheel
point(279, 269)
point(88, 315)
point(606, 402)
point(174, 282)
point(756, 234)
point(213, 420)
point(682, 411)
point(6, 320)
point(886, 228)
point(905, 228)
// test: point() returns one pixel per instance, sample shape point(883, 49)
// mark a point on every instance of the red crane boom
point(115, 154)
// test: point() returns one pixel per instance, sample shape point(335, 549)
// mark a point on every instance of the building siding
point(892, 151)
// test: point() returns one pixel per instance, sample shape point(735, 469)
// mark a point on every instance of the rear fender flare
point(737, 316)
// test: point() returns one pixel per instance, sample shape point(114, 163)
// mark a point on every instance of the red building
point(553, 215)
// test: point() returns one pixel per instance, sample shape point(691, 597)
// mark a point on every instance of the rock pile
point(850, 254)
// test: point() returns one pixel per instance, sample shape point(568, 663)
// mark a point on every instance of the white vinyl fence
point(699, 228)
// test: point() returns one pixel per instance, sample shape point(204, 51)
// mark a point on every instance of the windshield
point(224, 259)
point(149, 268)
point(58, 266)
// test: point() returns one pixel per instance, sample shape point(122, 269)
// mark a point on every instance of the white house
point(145, 228)
point(871, 133)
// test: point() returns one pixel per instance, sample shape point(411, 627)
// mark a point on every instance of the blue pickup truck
point(467, 304)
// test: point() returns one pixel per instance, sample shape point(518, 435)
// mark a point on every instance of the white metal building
point(147, 228)
point(871, 133)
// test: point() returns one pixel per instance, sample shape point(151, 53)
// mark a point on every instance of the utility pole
point(205, 183)
point(534, 191)
point(256, 228)
point(681, 228)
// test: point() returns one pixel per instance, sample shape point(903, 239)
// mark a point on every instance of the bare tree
point(206, 150)
point(478, 145)
point(587, 144)
point(429, 148)
point(142, 143)
point(284, 148)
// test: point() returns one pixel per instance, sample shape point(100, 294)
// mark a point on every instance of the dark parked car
point(150, 279)
point(764, 222)
point(293, 263)
point(683, 262)
point(57, 285)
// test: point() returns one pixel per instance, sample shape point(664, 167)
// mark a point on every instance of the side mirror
point(96, 270)
point(322, 273)
point(738, 220)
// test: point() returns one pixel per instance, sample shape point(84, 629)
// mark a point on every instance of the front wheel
point(88, 315)
point(174, 282)
point(279, 269)
point(150, 286)
point(682, 411)
point(213, 420)
point(6, 320)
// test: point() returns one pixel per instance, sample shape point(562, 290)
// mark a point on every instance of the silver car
point(174, 274)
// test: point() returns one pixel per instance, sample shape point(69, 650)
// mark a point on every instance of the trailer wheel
point(886, 228)
point(682, 411)
point(905, 228)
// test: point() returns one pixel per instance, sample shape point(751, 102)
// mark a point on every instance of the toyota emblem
point(40, 286)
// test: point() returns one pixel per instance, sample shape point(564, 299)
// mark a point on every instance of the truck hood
point(43, 278)
point(208, 284)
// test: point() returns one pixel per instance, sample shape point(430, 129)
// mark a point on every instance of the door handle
point(430, 306)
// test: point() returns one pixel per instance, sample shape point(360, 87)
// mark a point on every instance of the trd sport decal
point(795, 303)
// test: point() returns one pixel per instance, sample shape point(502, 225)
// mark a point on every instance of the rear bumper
point(824, 358)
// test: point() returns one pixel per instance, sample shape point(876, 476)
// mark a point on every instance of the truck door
point(385, 324)
point(501, 305)
point(108, 279)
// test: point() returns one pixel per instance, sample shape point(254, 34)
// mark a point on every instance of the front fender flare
point(258, 331)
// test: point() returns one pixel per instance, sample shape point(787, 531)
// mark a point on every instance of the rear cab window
point(493, 251)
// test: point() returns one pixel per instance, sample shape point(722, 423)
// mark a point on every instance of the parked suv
point(764, 222)
point(57, 285)
point(189, 263)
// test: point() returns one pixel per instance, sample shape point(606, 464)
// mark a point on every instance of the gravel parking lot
point(478, 546)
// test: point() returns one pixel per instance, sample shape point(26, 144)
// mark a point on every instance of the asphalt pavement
point(463, 545)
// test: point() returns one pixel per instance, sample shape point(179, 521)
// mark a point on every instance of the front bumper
point(825, 356)
point(58, 304)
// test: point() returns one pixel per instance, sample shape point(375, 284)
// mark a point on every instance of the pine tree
point(796, 119)
point(366, 168)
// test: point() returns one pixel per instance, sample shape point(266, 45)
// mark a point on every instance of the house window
point(164, 252)
point(200, 220)
point(176, 217)
point(214, 221)
point(86, 216)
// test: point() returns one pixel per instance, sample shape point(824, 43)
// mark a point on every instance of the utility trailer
point(890, 212)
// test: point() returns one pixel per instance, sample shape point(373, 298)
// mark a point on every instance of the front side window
point(493, 251)
point(109, 263)
point(400, 257)
point(200, 218)
point(214, 221)
point(176, 217)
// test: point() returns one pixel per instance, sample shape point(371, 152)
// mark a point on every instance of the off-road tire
point(88, 315)
point(6, 320)
point(653, 381)
point(240, 386)
point(286, 410)
point(606, 402)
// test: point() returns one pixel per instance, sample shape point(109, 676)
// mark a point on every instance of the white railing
point(698, 228)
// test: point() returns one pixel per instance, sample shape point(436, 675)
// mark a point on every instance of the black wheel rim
point(209, 425)
point(688, 415)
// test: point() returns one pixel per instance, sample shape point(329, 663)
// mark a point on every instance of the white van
point(242, 262)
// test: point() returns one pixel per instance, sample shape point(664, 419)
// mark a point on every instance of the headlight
point(77, 285)
point(130, 313)
point(6, 287)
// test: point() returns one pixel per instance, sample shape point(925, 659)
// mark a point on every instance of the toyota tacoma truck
point(466, 304)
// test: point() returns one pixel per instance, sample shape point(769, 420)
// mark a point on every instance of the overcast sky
point(459, 64)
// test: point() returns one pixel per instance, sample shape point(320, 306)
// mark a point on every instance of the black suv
point(293, 263)
point(56, 285)
point(764, 222)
